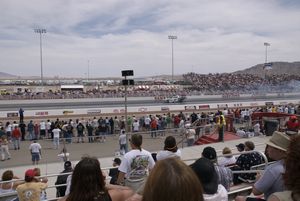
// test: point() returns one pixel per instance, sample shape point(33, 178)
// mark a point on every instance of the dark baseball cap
point(68, 165)
point(240, 146)
point(117, 161)
point(209, 153)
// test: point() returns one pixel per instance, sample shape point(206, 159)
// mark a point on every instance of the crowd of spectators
point(229, 85)
point(241, 83)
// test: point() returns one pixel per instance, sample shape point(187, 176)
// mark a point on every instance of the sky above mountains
point(99, 38)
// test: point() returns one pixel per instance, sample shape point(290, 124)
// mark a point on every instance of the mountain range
point(291, 68)
point(277, 68)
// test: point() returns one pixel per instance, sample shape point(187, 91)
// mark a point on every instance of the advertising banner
point(66, 112)
point(12, 114)
point(204, 106)
point(165, 109)
point(94, 112)
point(42, 113)
point(190, 107)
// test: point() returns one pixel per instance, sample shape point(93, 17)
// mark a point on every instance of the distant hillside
point(277, 68)
point(6, 75)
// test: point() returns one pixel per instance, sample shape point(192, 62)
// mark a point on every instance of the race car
point(175, 99)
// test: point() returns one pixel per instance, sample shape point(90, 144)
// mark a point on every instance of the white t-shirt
point(220, 195)
point(223, 161)
point(256, 128)
point(35, 147)
point(168, 154)
point(147, 121)
point(56, 132)
point(9, 128)
point(43, 125)
point(48, 125)
point(136, 163)
point(122, 139)
point(136, 126)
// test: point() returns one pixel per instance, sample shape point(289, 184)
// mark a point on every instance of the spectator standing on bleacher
point(62, 179)
point(271, 181)
point(136, 164)
point(224, 173)
point(291, 176)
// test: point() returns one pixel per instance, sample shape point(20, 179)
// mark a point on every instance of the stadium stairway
point(213, 138)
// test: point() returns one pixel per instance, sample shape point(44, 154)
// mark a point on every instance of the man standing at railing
point(271, 181)
point(221, 123)
point(62, 179)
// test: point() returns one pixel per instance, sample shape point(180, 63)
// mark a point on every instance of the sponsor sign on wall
point(190, 107)
point(66, 112)
point(116, 111)
point(204, 106)
point(42, 113)
point(222, 105)
point(12, 114)
point(164, 108)
point(94, 112)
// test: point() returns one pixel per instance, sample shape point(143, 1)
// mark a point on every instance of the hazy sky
point(213, 35)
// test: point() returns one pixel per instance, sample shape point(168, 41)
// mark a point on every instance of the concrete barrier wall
point(140, 109)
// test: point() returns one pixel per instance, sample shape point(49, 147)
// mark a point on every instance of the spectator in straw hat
point(291, 176)
point(271, 181)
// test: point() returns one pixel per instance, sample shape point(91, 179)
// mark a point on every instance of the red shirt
point(16, 133)
point(292, 126)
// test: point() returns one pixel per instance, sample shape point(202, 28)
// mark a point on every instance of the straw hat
point(279, 141)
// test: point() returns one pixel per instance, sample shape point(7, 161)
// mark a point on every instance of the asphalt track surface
point(7, 105)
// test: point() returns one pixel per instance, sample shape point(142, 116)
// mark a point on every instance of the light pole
point(125, 83)
point(88, 71)
point(41, 31)
point(266, 55)
point(267, 66)
point(172, 38)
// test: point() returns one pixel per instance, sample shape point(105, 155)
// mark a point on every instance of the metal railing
point(106, 169)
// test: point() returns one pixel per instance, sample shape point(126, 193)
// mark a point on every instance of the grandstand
point(189, 155)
